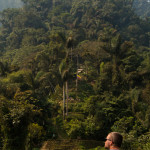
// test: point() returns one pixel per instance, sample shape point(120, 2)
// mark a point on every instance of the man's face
point(108, 141)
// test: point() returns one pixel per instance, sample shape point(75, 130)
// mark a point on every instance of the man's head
point(113, 139)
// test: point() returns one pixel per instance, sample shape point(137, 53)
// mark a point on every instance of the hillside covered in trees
point(74, 69)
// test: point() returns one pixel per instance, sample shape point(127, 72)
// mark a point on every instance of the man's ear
point(111, 143)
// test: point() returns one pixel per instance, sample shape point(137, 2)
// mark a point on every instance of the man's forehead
point(108, 136)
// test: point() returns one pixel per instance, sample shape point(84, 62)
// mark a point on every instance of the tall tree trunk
point(71, 54)
point(66, 98)
point(77, 78)
point(63, 100)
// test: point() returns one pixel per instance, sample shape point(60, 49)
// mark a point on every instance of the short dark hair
point(116, 138)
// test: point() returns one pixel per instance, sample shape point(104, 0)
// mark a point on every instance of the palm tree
point(64, 71)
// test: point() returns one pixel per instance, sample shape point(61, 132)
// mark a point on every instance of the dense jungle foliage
point(74, 69)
